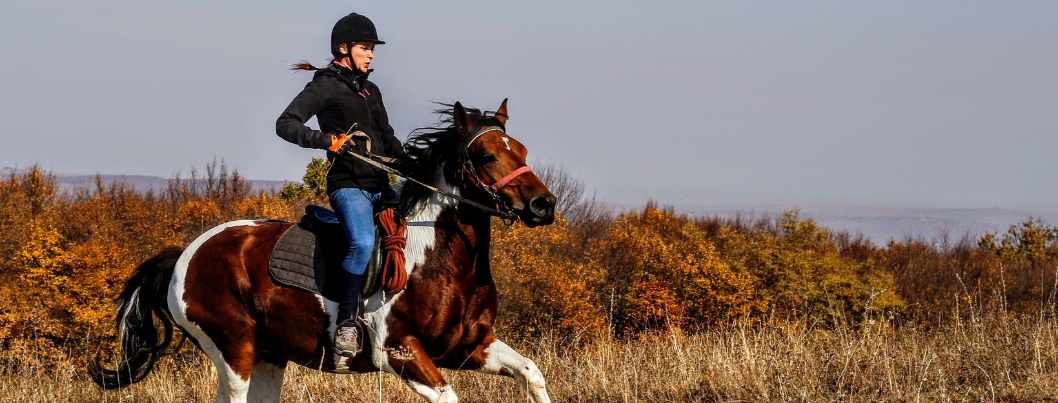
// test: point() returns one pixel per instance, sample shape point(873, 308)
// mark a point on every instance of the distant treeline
point(594, 273)
point(68, 182)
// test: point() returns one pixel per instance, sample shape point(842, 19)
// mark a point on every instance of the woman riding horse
point(220, 294)
point(218, 290)
point(345, 102)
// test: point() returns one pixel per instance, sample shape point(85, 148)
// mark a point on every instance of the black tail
point(143, 298)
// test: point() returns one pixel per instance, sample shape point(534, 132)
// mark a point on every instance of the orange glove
point(338, 142)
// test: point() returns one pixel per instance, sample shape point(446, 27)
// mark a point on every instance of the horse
point(218, 292)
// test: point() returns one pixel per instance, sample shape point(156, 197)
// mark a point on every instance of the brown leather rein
point(500, 208)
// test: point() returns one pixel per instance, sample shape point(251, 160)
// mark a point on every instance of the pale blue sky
point(916, 104)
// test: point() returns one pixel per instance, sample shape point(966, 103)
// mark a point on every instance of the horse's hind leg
point(232, 352)
point(266, 382)
point(233, 381)
point(233, 373)
point(500, 359)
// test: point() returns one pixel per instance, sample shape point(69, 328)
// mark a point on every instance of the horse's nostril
point(543, 206)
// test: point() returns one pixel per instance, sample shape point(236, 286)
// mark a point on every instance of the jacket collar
point(349, 76)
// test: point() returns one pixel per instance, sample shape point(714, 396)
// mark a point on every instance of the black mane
point(428, 147)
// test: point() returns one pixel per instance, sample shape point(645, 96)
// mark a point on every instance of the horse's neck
point(440, 219)
point(431, 208)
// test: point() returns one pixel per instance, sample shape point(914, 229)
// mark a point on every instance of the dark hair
point(428, 147)
point(303, 65)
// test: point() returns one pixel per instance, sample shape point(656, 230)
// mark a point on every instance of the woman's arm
point(291, 124)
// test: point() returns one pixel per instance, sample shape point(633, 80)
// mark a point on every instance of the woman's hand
point(339, 142)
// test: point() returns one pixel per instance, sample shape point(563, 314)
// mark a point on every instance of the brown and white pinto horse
point(219, 293)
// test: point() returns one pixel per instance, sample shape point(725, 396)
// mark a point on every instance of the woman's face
point(361, 54)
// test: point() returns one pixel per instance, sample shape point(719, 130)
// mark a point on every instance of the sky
point(940, 104)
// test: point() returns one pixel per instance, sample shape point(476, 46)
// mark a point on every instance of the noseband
point(470, 175)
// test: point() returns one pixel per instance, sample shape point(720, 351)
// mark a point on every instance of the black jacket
point(338, 99)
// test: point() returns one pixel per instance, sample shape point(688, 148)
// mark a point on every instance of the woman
point(345, 102)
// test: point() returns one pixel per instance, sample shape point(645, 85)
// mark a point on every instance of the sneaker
point(346, 340)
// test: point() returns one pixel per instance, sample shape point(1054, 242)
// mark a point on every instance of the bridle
point(469, 175)
point(500, 208)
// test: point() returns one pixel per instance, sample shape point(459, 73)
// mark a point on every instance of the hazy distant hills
point(72, 181)
point(880, 224)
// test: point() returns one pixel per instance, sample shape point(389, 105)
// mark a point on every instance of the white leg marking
point(236, 389)
point(443, 394)
point(266, 382)
point(230, 387)
point(500, 356)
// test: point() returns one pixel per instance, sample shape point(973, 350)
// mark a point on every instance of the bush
point(664, 273)
point(545, 283)
point(63, 258)
point(797, 268)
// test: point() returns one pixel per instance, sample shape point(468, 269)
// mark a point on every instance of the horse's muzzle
point(541, 211)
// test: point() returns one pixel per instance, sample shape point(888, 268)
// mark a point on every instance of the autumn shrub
point(663, 271)
point(1013, 272)
point(1031, 241)
point(1029, 273)
point(545, 282)
point(65, 255)
point(33, 248)
point(658, 270)
point(797, 268)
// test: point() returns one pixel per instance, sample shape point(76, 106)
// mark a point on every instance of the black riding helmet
point(353, 28)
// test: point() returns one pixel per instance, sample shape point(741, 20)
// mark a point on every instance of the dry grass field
point(991, 358)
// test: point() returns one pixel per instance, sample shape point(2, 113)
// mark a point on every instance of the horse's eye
point(486, 159)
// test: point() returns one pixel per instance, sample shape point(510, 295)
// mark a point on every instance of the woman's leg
point(355, 211)
point(354, 208)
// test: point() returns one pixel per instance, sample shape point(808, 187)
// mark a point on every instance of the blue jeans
point(355, 211)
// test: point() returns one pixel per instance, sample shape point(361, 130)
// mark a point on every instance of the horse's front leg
point(409, 361)
point(500, 359)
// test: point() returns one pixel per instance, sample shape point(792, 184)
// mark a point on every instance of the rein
point(501, 209)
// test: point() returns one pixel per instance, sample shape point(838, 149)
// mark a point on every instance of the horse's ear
point(501, 114)
point(462, 120)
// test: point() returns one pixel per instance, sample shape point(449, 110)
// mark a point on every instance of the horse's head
point(493, 164)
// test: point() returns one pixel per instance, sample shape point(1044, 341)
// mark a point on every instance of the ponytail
point(303, 65)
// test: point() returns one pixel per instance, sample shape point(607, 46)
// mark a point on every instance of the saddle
point(308, 256)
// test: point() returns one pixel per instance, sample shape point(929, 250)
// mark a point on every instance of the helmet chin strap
point(347, 55)
point(352, 63)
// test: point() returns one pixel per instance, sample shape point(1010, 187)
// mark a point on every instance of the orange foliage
point(64, 257)
point(652, 254)
point(545, 284)
point(657, 308)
